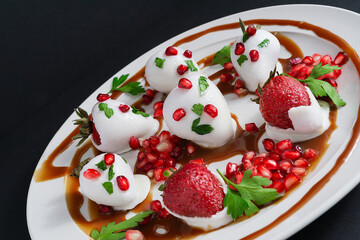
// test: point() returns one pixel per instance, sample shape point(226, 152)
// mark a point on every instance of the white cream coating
point(308, 121)
point(254, 73)
point(207, 223)
point(116, 131)
point(120, 200)
point(166, 79)
point(224, 126)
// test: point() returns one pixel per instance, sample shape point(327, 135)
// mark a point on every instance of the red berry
point(251, 127)
point(188, 54)
point(96, 135)
point(228, 66)
point(284, 144)
point(277, 176)
point(163, 213)
point(190, 149)
point(270, 164)
point(124, 108)
point(155, 205)
point(274, 156)
point(290, 154)
point(158, 113)
point(238, 177)
point(231, 168)
point(171, 51)
point(91, 174)
point(285, 165)
point(185, 83)
point(158, 174)
point(226, 77)
point(291, 180)
point(134, 142)
point(239, 48)
point(295, 61)
point(278, 185)
point(301, 162)
point(211, 110)
point(159, 163)
point(251, 30)
point(164, 135)
point(165, 146)
point(307, 60)
point(340, 58)
point(109, 159)
point(198, 161)
point(102, 97)
point(151, 93)
point(239, 84)
point(254, 55)
point(158, 105)
point(269, 144)
point(298, 171)
point(248, 156)
point(326, 59)
point(151, 157)
point(146, 99)
point(331, 81)
point(122, 183)
point(263, 171)
point(179, 114)
point(170, 162)
point(309, 154)
point(181, 69)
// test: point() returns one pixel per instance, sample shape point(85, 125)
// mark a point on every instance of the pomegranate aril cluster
point(284, 164)
point(148, 96)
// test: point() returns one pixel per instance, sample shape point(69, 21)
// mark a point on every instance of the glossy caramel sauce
point(243, 142)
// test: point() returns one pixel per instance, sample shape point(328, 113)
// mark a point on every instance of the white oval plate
point(47, 212)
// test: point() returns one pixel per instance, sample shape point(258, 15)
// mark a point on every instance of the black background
point(53, 54)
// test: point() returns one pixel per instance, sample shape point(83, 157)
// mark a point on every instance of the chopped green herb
point(203, 84)
point(201, 129)
point(242, 59)
point(108, 111)
point(198, 108)
point(159, 62)
point(137, 111)
point(133, 88)
point(264, 43)
point(111, 173)
point(108, 187)
point(245, 37)
point(222, 56)
point(118, 81)
point(191, 65)
point(101, 165)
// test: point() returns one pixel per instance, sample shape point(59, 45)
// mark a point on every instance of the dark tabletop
point(54, 54)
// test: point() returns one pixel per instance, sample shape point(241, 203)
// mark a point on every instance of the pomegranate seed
point(158, 105)
point(188, 54)
point(165, 146)
point(257, 160)
point(140, 156)
point(134, 142)
point(278, 185)
point(301, 162)
point(141, 163)
point(226, 77)
point(298, 148)
point(295, 61)
point(155, 205)
point(176, 154)
point(190, 149)
point(228, 66)
point(239, 84)
point(307, 60)
point(151, 157)
point(154, 140)
point(181, 69)
point(270, 164)
point(285, 165)
point(309, 154)
point(146, 143)
point(146, 99)
point(251, 127)
point(158, 113)
point(326, 59)
point(254, 55)
point(164, 135)
point(148, 166)
point(164, 155)
point(254, 171)
point(163, 213)
point(151, 93)
point(284, 144)
point(91, 174)
point(274, 156)
point(238, 176)
point(211, 110)
point(185, 83)
point(251, 30)
point(240, 91)
point(122, 183)
point(277, 176)
point(146, 220)
point(331, 81)
point(231, 168)
point(179, 114)
point(290, 154)
point(239, 48)
point(248, 156)
point(158, 174)
point(103, 209)
point(340, 58)
point(171, 51)
point(247, 164)
point(263, 171)
point(268, 144)
point(109, 159)
point(170, 162)
point(291, 180)
point(159, 163)
point(102, 97)
point(198, 161)
point(299, 171)
point(124, 108)
point(134, 235)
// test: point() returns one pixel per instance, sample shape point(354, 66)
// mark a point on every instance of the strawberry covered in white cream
point(254, 54)
point(165, 68)
point(107, 179)
point(196, 110)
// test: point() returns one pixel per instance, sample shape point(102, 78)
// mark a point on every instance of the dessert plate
point(333, 177)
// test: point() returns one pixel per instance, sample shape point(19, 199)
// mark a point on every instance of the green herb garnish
point(111, 173)
point(101, 165)
point(264, 43)
point(108, 187)
point(242, 59)
point(198, 108)
point(222, 56)
point(159, 62)
point(133, 88)
point(201, 129)
point(108, 111)
point(203, 84)
point(137, 111)
point(191, 65)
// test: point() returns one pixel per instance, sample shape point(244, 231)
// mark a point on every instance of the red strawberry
point(96, 135)
point(278, 96)
point(194, 191)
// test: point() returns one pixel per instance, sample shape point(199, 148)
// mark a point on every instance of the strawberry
point(96, 135)
point(193, 191)
point(278, 96)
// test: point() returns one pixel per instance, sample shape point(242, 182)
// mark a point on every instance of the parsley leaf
point(159, 62)
point(321, 88)
point(264, 43)
point(137, 111)
point(242, 59)
point(245, 37)
point(198, 108)
point(191, 65)
point(118, 81)
point(111, 231)
point(108, 187)
point(108, 111)
point(101, 165)
point(133, 88)
point(222, 56)
point(203, 84)
point(201, 129)
point(249, 192)
point(111, 173)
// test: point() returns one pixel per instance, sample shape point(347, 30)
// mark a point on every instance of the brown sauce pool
point(242, 143)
